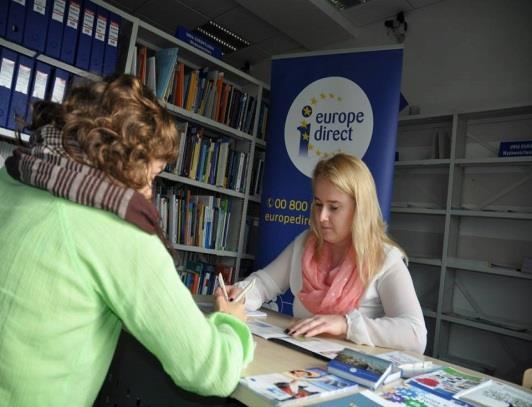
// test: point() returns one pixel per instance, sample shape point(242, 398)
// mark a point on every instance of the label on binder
point(6, 73)
point(73, 15)
point(59, 90)
point(23, 79)
point(39, 87)
point(39, 6)
point(58, 12)
point(113, 34)
point(88, 22)
point(101, 25)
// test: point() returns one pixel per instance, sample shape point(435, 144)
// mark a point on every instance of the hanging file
point(36, 25)
point(55, 29)
point(111, 45)
point(70, 32)
point(86, 34)
point(19, 95)
point(98, 41)
point(7, 74)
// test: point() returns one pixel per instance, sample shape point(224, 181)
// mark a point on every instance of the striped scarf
point(48, 166)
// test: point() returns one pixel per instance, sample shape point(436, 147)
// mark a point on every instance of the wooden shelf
point(203, 185)
point(197, 249)
point(455, 318)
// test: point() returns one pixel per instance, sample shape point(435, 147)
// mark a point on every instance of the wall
point(460, 54)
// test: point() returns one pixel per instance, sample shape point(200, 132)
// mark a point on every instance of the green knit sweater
point(70, 276)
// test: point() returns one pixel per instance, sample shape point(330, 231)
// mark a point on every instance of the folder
point(59, 84)
point(8, 62)
point(19, 95)
point(86, 35)
point(39, 85)
point(15, 20)
point(55, 29)
point(70, 32)
point(111, 45)
point(4, 8)
point(98, 41)
point(36, 25)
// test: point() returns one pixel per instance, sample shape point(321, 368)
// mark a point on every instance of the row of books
point(77, 32)
point(24, 80)
point(195, 220)
point(203, 91)
point(200, 277)
point(210, 160)
point(257, 173)
point(426, 384)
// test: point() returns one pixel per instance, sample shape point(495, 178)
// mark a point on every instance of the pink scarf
point(329, 290)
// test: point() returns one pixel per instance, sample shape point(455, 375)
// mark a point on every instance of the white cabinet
point(464, 216)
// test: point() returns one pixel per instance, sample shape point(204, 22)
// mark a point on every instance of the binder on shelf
point(36, 25)
point(15, 20)
point(19, 95)
point(7, 75)
point(111, 44)
point(86, 35)
point(98, 41)
point(70, 32)
point(55, 29)
point(59, 84)
point(4, 8)
point(39, 85)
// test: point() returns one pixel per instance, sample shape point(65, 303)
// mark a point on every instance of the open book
point(297, 387)
point(317, 347)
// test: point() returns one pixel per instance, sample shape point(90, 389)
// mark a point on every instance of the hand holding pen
point(235, 306)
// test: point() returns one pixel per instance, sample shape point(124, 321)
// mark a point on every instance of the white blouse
point(389, 314)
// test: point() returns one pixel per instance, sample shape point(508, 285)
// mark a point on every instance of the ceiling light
point(222, 37)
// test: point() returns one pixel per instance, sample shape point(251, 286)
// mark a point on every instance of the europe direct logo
point(329, 116)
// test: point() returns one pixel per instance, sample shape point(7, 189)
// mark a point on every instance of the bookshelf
point(244, 133)
point(463, 215)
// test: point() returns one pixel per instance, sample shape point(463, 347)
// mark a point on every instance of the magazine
point(318, 347)
point(415, 396)
point(445, 382)
point(293, 388)
point(368, 370)
point(495, 394)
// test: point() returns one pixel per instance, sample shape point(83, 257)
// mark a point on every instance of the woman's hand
point(319, 324)
point(236, 309)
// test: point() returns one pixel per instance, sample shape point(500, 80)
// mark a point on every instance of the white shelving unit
point(464, 216)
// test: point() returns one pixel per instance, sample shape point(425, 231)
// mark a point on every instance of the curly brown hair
point(115, 125)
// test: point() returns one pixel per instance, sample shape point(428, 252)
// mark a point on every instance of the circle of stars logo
point(304, 127)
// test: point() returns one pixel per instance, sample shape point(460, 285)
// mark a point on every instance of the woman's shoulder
point(394, 259)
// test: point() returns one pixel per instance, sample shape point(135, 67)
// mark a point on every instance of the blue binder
point(15, 20)
point(59, 85)
point(70, 32)
point(111, 44)
point(4, 7)
point(98, 41)
point(39, 85)
point(8, 63)
point(55, 28)
point(19, 94)
point(85, 36)
point(36, 25)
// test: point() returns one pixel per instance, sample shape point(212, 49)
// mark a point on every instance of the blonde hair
point(368, 230)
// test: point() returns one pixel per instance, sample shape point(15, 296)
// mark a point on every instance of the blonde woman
point(348, 277)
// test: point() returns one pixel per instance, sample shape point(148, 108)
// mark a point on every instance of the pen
point(244, 291)
point(222, 286)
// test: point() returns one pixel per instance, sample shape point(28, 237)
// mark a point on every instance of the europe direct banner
point(322, 104)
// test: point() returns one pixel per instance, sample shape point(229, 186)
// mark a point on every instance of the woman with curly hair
point(82, 256)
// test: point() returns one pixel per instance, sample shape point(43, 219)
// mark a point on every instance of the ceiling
point(272, 26)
